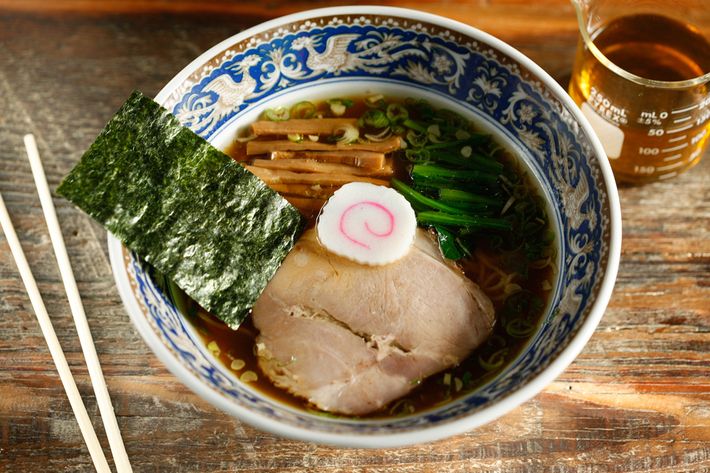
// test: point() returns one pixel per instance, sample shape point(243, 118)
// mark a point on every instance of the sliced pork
point(351, 338)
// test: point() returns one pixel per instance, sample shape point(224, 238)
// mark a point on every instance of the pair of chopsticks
point(118, 450)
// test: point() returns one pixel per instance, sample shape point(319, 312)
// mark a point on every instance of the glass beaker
point(642, 78)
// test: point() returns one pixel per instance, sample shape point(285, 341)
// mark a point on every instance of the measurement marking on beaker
point(675, 156)
point(675, 148)
point(686, 109)
point(677, 138)
point(684, 119)
point(668, 176)
point(670, 166)
point(678, 130)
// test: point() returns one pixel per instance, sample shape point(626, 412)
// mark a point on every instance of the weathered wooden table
point(637, 399)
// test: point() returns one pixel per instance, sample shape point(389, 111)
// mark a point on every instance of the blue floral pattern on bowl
point(455, 65)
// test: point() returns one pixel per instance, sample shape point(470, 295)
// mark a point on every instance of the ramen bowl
point(359, 50)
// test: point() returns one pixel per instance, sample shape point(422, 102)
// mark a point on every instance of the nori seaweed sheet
point(185, 207)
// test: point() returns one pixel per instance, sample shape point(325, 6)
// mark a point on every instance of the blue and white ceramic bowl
point(353, 50)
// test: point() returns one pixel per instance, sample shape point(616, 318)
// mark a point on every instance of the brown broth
point(436, 389)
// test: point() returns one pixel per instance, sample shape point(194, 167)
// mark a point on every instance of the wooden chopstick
point(118, 450)
point(55, 349)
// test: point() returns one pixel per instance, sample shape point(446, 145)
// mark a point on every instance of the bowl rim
point(426, 434)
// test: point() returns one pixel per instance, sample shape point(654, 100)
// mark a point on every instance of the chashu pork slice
point(350, 338)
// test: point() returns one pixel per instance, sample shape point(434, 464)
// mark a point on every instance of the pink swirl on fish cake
point(366, 203)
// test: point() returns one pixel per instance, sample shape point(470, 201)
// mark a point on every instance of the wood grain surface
point(636, 400)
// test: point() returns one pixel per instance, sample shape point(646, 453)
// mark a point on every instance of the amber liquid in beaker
point(649, 133)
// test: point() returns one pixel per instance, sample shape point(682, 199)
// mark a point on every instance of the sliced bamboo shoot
point(308, 126)
point(306, 165)
point(362, 159)
point(278, 176)
point(263, 147)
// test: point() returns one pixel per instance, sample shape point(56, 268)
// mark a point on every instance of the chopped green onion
point(434, 134)
point(237, 364)
point(278, 114)
point(303, 109)
point(374, 118)
point(295, 137)
point(396, 113)
point(417, 155)
point(494, 361)
point(213, 348)
point(347, 134)
point(381, 136)
point(519, 328)
point(338, 109)
point(346, 102)
point(375, 100)
point(402, 407)
point(458, 384)
point(417, 139)
point(244, 139)
point(249, 377)
point(327, 415)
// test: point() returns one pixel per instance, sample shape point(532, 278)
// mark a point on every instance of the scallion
point(396, 113)
point(374, 118)
point(347, 134)
point(303, 109)
point(339, 106)
point(494, 360)
point(278, 114)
